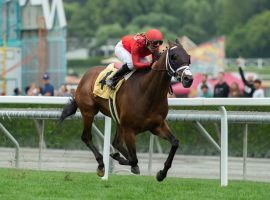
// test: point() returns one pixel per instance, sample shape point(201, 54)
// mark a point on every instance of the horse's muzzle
point(187, 81)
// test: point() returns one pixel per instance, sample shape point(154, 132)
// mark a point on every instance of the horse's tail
point(69, 109)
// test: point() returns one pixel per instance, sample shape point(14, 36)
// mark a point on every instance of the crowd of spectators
point(47, 89)
point(221, 89)
point(252, 88)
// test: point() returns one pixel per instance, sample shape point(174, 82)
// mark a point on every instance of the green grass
point(41, 185)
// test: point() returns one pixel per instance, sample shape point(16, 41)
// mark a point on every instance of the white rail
point(172, 101)
point(221, 102)
point(33, 100)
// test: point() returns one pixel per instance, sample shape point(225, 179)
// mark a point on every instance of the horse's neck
point(156, 83)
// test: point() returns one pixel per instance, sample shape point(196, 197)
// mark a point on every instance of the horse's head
point(177, 64)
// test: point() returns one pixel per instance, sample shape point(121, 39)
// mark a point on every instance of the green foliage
point(257, 32)
point(235, 14)
point(71, 9)
point(32, 185)
point(156, 20)
point(93, 61)
point(79, 67)
point(112, 31)
point(252, 38)
point(194, 32)
point(235, 43)
point(243, 22)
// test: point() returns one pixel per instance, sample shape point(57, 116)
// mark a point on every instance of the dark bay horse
point(142, 105)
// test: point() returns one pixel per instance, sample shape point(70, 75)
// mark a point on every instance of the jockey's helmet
point(154, 39)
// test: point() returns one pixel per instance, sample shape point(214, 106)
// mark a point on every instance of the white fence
point(222, 115)
point(259, 63)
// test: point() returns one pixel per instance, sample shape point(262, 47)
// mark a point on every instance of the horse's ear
point(177, 41)
point(170, 44)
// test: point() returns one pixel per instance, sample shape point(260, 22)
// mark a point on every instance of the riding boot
point(112, 82)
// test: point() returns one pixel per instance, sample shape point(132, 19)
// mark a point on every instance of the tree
point(196, 19)
point(258, 36)
point(111, 32)
point(71, 9)
point(199, 20)
point(157, 20)
point(236, 13)
point(253, 39)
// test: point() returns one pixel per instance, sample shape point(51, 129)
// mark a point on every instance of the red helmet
point(154, 35)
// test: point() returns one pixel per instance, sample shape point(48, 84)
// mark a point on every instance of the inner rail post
point(224, 147)
point(245, 141)
point(106, 147)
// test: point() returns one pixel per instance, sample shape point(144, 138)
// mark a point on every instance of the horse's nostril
point(186, 78)
point(187, 81)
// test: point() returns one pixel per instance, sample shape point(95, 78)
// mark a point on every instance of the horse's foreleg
point(87, 139)
point(164, 132)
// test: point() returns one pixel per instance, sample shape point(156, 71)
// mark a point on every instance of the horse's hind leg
point(130, 155)
point(118, 142)
point(130, 140)
point(87, 139)
point(164, 132)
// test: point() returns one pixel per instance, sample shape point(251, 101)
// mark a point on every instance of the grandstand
point(32, 42)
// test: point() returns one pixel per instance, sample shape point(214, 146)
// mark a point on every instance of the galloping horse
point(142, 105)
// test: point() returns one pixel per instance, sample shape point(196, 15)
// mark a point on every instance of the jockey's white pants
point(125, 56)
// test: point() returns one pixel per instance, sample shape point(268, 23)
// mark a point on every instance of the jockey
point(132, 51)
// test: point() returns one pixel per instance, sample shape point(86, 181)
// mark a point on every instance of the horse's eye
point(173, 57)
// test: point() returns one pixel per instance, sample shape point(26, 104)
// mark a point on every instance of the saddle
point(100, 87)
point(102, 90)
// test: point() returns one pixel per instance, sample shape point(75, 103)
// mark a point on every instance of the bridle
point(169, 67)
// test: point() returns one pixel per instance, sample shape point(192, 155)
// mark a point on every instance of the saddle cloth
point(102, 90)
point(100, 87)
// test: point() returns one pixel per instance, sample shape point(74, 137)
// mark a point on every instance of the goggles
point(156, 42)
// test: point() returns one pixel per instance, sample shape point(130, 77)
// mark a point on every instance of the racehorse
point(142, 105)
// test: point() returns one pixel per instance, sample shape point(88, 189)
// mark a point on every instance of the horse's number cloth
point(102, 90)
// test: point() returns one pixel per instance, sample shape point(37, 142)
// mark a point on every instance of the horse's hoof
point(135, 169)
point(160, 176)
point(100, 172)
